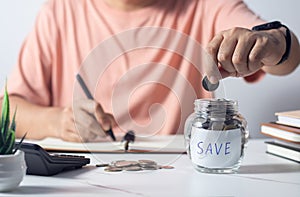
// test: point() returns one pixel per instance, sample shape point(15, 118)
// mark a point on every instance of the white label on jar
point(215, 149)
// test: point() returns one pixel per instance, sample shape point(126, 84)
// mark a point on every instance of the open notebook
point(152, 144)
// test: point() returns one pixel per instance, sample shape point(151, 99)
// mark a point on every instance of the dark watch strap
point(277, 25)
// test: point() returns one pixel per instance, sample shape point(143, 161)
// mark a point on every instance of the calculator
point(40, 162)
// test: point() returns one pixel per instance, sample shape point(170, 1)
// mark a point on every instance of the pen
point(89, 96)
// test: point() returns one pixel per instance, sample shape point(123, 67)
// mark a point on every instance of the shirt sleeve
point(235, 13)
point(31, 76)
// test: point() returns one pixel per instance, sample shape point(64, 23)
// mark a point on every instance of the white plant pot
point(12, 170)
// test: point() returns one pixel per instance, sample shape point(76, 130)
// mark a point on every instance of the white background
point(257, 102)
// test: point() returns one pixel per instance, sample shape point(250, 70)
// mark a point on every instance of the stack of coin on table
point(125, 165)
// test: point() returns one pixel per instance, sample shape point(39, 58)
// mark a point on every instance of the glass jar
point(216, 136)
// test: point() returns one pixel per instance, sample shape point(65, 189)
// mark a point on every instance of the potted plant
point(12, 161)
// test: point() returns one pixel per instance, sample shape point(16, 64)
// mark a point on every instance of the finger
point(112, 120)
point(74, 137)
point(89, 111)
point(87, 124)
point(89, 106)
point(241, 54)
point(269, 55)
point(90, 129)
point(256, 54)
point(102, 118)
point(68, 130)
point(95, 130)
point(106, 121)
point(92, 116)
point(71, 136)
point(99, 112)
point(225, 53)
point(224, 73)
point(211, 61)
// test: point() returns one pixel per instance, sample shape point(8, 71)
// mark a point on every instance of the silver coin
point(147, 162)
point(117, 161)
point(229, 127)
point(150, 168)
point(121, 164)
point(207, 85)
point(166, 167)
point(112, 169)
point(143, 164)
point(132, 168)
point(148, 165)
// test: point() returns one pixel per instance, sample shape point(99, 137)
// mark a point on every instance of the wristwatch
point(277, 25)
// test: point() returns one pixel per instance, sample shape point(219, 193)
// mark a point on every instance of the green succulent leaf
point(19, 144)
point(13, 123)
point(11, 142)
point(7, 130)
point(8, 146)
point(5, 116)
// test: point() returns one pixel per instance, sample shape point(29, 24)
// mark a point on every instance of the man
point(68, 31)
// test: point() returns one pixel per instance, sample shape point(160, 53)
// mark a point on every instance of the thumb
point(211, 69)
point(215, 74)
point(103, 118)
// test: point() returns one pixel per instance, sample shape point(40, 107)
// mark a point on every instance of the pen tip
point(111, 134)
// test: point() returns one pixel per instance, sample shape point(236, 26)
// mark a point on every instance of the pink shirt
point(147, 88)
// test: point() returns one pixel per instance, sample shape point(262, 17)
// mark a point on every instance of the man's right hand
point(85, 121)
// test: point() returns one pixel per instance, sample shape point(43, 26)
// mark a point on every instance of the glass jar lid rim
point(216, 101)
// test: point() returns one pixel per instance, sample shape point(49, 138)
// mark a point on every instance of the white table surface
point(261, 174)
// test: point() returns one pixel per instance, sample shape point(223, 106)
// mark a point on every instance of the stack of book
point(286, 135)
